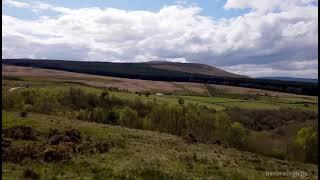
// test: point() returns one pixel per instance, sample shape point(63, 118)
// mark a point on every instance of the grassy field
point(140, 155)
point(227, 97)
point(219, 102)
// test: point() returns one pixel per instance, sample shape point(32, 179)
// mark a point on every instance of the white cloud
point(299, 69)
point(17, 4)
point(35, 6)
point(272, 32)
point(265, 6)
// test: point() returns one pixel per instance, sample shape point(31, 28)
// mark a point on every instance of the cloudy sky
point(250, 37)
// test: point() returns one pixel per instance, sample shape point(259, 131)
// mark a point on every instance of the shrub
point(58, 153)
point(147, 94)
point(20, 132)
point(30, 174)
point(128, 117)
point(190, 138)
point(201, 123)
point(221, 125)
point(237, 135)
point(269, 119)
point(181, 101)
point(104, 94)
point(23, 114)
point(112, 117)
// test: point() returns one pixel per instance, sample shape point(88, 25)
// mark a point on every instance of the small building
point(159, 94)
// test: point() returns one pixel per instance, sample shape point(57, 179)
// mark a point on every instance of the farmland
point(218, 103)
point(233, 96)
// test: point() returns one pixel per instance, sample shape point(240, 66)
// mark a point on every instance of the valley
point(151, 129)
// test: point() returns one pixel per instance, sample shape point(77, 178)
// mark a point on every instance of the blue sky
point(254, 38)
point(211, 8)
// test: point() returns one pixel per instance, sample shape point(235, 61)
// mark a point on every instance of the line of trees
point(182, 119)
point(230, 127)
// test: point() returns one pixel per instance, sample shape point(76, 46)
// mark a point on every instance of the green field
point(218, 103)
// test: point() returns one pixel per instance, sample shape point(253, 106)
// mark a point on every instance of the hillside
point(152, 68)
point(133, 85)
point(64, 124)
point(194, 68)
point(125, 153)
point(145, 71)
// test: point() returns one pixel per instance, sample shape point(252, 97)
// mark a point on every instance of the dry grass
point(100, 81)
point(196, 68)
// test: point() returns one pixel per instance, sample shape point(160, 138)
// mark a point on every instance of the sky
point(257, 38)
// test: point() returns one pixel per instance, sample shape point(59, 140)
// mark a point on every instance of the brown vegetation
point(56, 145)
point(195, 68)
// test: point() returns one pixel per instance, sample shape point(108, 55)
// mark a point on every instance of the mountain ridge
point(196, 68)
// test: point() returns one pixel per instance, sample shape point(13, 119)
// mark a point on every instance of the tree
point(112, 117)
point(99, 115)
point(307, 139)
point(181, 101)
point(104, 97)
point(312, 149)
point(129, 118)
point(237, 135)
point(199, 123)
point(221, 123)
point(23, 114)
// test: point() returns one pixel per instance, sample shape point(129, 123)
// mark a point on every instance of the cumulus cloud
point(274, 33)
point(296, 69)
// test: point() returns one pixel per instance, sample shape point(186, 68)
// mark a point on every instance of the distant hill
point(291, 79)
point(194, 68)
point(164, 71)
point(152, 68)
